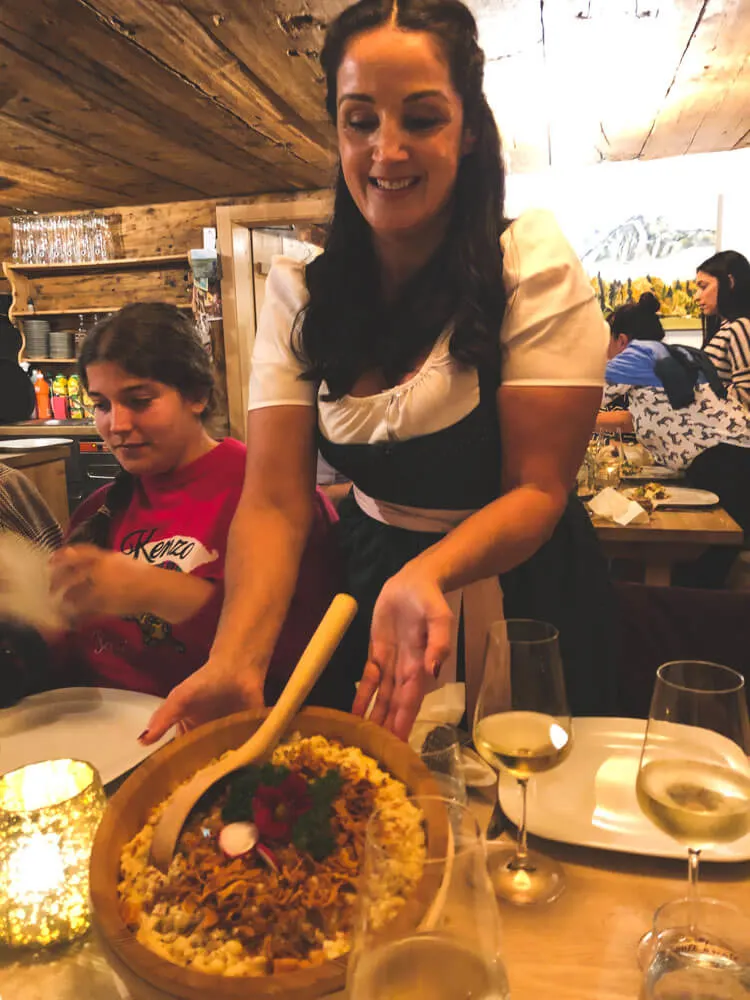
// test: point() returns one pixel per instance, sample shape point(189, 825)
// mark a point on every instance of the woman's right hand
point(211, 692)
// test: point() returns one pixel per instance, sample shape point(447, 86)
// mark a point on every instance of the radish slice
point(268, 856)
point(238, 838)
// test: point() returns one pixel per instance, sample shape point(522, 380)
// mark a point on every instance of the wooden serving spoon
point(311, 664)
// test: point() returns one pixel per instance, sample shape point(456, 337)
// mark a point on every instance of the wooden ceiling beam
point(108, 178)
point(21, 184)
point(706, 107)
point(155, 111)
point(189, 48)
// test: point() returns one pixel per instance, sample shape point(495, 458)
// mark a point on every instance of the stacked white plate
point(36, 334)
point(61, 344)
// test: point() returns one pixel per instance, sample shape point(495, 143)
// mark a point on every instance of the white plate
point(25, 444)
point(590, 798)
point(650, 472)
point(99, 725)
point(681, 496)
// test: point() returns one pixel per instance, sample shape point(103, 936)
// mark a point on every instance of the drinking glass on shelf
point(439, 746)
point(78, 239)
point(522, 724)
point(55, 237)
point(40, 237)
point(17, 238)
point(679, 964)
point(694, 775)
point(436, 935)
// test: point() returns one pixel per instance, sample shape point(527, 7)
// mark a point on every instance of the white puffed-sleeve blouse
point(553, 334)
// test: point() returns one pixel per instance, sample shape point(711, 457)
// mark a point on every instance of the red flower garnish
point(276, 810)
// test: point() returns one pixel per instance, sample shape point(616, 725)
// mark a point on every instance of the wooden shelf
point(92, 266)
point(89, 310)
point(56, 361)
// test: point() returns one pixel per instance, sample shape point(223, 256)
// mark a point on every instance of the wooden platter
point(150, 977)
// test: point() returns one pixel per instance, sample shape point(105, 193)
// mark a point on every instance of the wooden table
point(45, 467)
point(669, 537)
point(582, 947)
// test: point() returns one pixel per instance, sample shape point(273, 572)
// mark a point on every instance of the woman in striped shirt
point(724, 298)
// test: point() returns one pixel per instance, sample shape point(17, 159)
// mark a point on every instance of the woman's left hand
point(410, 637)
point(92, 582)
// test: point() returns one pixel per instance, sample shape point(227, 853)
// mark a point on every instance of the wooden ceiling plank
point(96, 63)
point(24, 144)
point(45, 184)
point(264, 33)
point(36, 94)
point(605, 97)
point(178, 39)
point(702, 112)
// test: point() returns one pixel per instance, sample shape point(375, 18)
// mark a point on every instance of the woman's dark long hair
point(638, 320)
point(347, 328)
point(150, 340)
point(732, 271)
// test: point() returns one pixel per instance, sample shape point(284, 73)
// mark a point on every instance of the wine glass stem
point(522, 853)
point(694, 857)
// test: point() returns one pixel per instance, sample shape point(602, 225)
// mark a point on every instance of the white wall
point(709, 190)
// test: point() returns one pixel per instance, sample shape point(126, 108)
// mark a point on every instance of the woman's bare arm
point(266, 541)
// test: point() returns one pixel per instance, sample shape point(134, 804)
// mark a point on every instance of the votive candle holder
point(49, 814)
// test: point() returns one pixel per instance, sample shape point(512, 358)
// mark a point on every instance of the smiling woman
point(142, 575)
point(447, 361)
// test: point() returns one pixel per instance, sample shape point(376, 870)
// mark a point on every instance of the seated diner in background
point(679, 410)
point(141, 574)
point(723, 283)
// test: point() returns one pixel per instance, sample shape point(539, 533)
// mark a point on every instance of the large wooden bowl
point(150, 977)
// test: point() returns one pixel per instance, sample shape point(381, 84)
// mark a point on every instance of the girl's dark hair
point(150, 340)
point(347, 327)
point(733, 300)
point(638, 320)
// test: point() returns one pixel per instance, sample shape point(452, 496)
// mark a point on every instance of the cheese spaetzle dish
point(286, 901)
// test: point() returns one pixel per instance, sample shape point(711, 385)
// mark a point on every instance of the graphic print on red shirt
point(178, 522)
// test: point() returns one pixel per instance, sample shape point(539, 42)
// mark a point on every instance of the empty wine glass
point(694, 776)
point(714, 965)
point(522, 724)
point(426, 922)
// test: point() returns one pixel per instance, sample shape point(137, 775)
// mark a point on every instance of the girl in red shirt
point(142, 575)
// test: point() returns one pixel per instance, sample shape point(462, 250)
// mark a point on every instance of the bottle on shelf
point(60, 397)
point(75, 398)
point(42, 393)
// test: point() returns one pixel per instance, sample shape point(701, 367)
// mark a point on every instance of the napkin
point(445, 704)
point(613, 506)
point(25, 594)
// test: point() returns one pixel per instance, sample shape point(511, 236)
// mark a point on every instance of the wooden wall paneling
point(159, 117)
point(107, 291)
point(175, 228)
point(233, 224)
point(188, 45)
point(707, 106)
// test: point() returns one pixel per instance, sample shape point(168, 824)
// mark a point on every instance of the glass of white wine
point(522, 724)
point(694, 775)
point(430, 931)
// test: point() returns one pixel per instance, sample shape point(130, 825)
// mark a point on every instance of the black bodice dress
point(433, 443)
